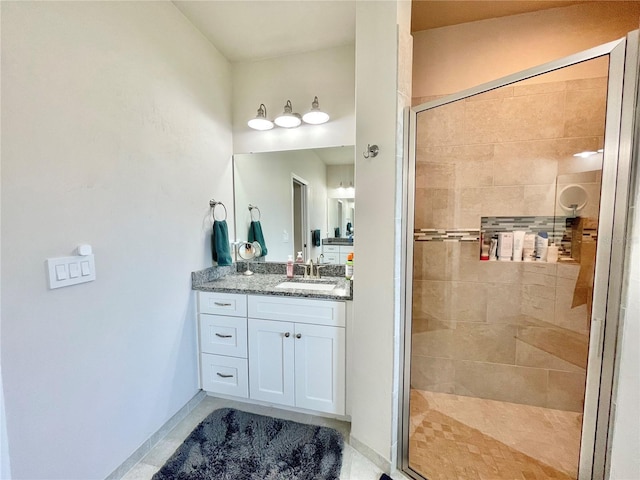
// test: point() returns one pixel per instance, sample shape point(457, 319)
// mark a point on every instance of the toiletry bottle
point(505, 246)
point(493, 249)
point(290, 267)
point(552, 253)
point(348, 268)
point(542, 244)
point(529, 247)
point(518, 245)
point(299, 258)
point(484, 249)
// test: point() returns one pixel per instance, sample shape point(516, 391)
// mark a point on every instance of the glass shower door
point(498, 349)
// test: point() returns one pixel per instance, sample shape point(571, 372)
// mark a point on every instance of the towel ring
point(213, 204)
point(251, 209)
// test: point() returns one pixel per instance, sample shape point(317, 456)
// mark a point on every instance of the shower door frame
point(610, 254)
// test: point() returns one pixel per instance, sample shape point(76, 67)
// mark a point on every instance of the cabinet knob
point(299, 335)
point(287, 334)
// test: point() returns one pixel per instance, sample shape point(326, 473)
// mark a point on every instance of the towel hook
point(251, 209)
point(371, 151)
point(213, 204)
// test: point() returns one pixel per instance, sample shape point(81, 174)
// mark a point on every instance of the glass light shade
point(261, 122)
point(315, 116)
point(288, 119)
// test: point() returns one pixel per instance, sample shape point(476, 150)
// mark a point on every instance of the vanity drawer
point(222, 303)
point(300, 310)
point(223, 335)
point(331, 258)
point(330, 249)
point(227, 375)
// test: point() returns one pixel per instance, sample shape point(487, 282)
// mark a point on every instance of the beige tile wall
point(514, 332)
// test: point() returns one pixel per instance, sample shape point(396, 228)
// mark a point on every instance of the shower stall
point(509, 362)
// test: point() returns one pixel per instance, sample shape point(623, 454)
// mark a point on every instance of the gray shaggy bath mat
point(233, 445)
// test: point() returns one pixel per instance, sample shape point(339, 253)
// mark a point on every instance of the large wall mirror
point(304, 198)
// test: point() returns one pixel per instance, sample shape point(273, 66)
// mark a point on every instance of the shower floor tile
point(457, 437)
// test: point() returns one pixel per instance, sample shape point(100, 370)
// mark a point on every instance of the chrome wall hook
point(371, 151)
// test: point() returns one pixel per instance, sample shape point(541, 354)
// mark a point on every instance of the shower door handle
point(597, 331)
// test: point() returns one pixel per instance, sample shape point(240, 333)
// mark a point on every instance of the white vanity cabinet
point(297, 352)
point(336, 253)
point(222, 331)
point(276, 349)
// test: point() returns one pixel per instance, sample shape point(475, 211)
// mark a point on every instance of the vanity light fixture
point(261, 122)
point(585, 154)
point(315, 116)
point(288, 119)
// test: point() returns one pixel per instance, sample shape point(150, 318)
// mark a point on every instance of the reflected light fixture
point(586, 153)
point(261, 122)
point(315, 116)
point(288, 119)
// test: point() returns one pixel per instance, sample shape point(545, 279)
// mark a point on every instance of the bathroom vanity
point(275, 340)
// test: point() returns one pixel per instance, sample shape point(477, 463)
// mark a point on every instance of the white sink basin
point(307, 286)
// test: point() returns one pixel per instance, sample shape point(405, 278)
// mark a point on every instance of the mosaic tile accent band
point(443, 235)
point(554, 226)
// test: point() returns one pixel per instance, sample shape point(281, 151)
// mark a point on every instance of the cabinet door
point(271, 361)
point(320, 368)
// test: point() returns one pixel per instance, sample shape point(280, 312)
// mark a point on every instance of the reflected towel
point(315, 238)
point(220, 243)
point(255, 235)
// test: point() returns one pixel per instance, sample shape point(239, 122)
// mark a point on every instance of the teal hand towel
point(255, 235)
point(220, 243)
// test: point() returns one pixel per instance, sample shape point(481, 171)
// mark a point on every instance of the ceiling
point(258, 29)
point(428, 14)
point(250, 30)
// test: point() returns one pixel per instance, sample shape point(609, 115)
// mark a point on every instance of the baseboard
point(380, 462)
point(153, 440)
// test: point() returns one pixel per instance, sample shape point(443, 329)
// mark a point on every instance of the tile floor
point(354, 465)
point(454, 437)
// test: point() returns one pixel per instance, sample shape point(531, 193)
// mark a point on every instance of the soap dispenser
point(290, 267)
point(299, 258)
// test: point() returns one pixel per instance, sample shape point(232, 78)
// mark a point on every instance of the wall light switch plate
point(67, 271)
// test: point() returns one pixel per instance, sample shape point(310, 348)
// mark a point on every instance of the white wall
point(625, 461)
point(327, 74)
point(265, 180)
point(116, 131)
point(371, 386)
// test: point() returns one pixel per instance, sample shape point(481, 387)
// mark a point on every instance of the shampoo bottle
point(529, 247)
point(518, 244)
point(290, 267)
point(348, 268)
point(505, 246)
point(542, 244)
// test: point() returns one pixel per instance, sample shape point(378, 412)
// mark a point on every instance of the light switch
point(61, 272)
point(86, 268)
point(67, 271)
point(74, 270)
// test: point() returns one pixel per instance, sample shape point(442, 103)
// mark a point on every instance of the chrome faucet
point(310, 272)
point(308, 269)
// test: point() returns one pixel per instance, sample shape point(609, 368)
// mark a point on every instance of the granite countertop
point(231, 280)
point(337, 241)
